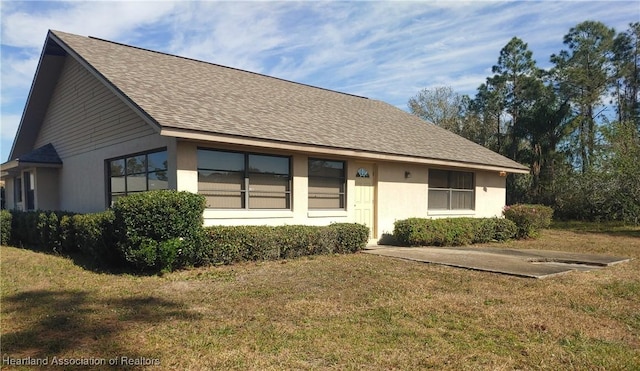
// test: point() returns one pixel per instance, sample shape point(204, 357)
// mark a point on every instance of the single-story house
point(104, 120)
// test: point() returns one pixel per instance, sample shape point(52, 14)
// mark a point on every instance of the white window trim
point(341, 213)
point(247, 214)
point(448, 213)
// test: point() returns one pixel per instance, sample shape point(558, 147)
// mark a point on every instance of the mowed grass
point(333, 312)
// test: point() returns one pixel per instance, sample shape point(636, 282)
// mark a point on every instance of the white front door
point(365, 197)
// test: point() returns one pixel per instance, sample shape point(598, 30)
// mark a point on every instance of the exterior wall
point(84, 115)
point(398, 195)
point(47, 188)
point(401, 198)
point(87, 124)
point(491, 194)
point(9, 194)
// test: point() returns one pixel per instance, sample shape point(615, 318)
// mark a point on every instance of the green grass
point(333, 312)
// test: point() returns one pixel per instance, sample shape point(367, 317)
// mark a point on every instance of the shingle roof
point(187, 94)
point(43, 155)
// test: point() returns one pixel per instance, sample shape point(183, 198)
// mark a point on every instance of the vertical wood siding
point(84, 115)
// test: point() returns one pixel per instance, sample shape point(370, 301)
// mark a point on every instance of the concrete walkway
point(522, 263)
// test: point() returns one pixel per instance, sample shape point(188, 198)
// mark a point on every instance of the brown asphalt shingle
point(187, 94)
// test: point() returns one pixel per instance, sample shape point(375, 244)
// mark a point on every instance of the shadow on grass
point(74, 324)
point(616, 229)
point(113, 266)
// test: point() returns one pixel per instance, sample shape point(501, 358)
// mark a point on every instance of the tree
point(626, 61)
point(518, 78)
point(584, 73)
point(446, 108)
point(584, 161)
point(544, 127)
point(440, 105)
point(487, 107)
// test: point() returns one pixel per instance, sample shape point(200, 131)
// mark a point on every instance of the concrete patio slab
point(522, 263)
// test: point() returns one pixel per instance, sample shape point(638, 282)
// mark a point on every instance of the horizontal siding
point(83, 115)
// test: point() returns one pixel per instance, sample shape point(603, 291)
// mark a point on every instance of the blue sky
point(383, 50)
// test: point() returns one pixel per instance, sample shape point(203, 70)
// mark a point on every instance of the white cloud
point(10, 125)
point(27, 26)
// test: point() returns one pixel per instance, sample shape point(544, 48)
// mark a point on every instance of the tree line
point(576, 124)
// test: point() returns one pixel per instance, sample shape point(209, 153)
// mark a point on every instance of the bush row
point(162, 230)
point(452, 231)
point(530, 219)
point(520, 221)
point(233, 244)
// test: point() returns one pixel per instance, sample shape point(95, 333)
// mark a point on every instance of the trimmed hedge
point(352, 237)
point(452, 231)
point(91, 235)
point(5, 227)
point(159, 230)
point(226, 245)
point(530, 219)
point(162, 230)
point(38, 228)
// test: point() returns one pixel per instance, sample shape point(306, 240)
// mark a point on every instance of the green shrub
point(226, 245)
point(144, 222)
point(434, 232)
point(67, 234)
point(24, 228)
point(529, 219)
point(300, 240)
point(49, 230)
point(452, 231)
point(38, 229)
point(91, 235)
point(351, 237)
point(5, 227)
point(503, 229)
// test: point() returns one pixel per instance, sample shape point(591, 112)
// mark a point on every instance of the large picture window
point(137, 173)
point(451, 190)
point(236, 180)
point(327, 184)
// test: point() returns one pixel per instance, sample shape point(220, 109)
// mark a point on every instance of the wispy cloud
point(25, 24)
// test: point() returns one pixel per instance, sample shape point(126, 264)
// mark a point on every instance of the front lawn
point(331, 312)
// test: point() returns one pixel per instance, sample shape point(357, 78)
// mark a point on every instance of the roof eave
point(13, 167)
point(20, 140)
point(345, 152)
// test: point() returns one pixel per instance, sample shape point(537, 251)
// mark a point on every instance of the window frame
point(343, 181)
point(246, 176)
point(452, 190)
point(125, 173)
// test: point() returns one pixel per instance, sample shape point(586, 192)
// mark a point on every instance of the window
point(450, 190)
point(29, 190)
point(327, 184)
point(137, 173)
point(236, 180)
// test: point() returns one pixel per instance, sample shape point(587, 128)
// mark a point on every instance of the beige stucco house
point(104, 120)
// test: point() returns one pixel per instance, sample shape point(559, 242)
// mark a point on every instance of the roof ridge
point(223, 66)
